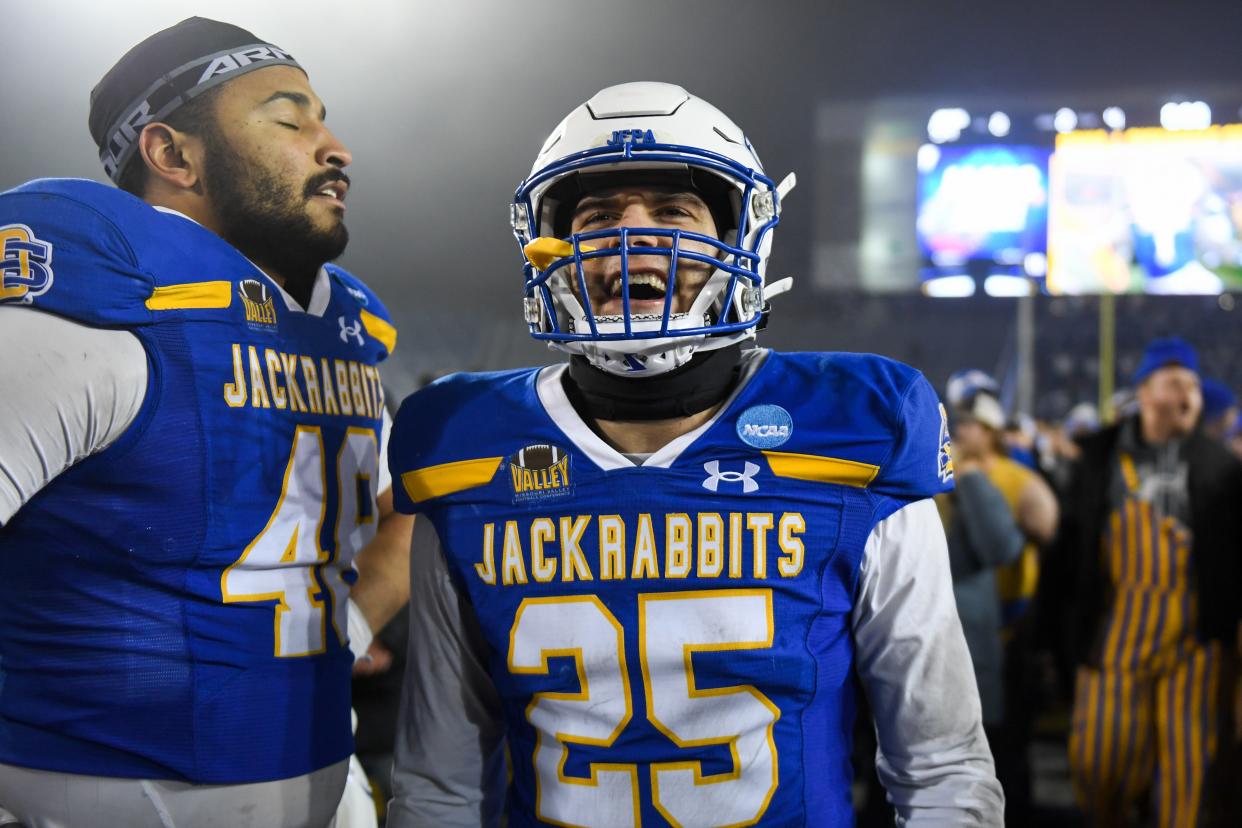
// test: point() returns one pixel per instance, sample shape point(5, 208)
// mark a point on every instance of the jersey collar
point(321, 293)
point(563, 415)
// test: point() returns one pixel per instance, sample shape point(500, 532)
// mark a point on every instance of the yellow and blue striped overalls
point(1149, 718)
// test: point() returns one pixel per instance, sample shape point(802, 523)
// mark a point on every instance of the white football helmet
point(653, 130)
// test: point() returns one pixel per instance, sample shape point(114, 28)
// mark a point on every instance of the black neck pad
point(702, 382)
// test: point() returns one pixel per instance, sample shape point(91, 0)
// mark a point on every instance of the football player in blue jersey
point(644, 581)
point(192, 426)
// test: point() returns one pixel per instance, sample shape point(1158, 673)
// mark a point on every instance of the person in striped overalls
point(1153, 538)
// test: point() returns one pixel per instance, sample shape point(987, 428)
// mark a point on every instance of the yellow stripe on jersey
point(821, 469)
point(191, 296)
point(449, 478)
point(1129, 473)
point(381, 330)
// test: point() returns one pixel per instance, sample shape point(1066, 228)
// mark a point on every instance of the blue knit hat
point(1217, 398)
point(967, 382)
point(1165, 351)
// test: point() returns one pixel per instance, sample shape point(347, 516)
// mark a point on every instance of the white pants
point(357, 808)
point(47, 799)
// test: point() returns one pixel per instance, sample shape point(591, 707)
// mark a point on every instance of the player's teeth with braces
point(647, 279)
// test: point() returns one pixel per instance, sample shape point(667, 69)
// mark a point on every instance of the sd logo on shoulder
point(25, 265)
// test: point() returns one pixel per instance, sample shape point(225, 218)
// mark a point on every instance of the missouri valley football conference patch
point(257, 299)
point(540, 472)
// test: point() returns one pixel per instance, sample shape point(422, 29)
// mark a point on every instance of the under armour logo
point(354, 330)
point(712, 467)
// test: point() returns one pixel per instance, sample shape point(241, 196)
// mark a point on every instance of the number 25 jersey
point(173, 606)
point(670, 642)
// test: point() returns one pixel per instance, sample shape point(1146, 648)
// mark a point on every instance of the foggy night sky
point(444, 105)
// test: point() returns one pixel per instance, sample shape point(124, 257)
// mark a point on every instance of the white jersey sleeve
point(67, 391)
point(360, 633)
point(448, 769)
point(385, 474)
point(911, 656)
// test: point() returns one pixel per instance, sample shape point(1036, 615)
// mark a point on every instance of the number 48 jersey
point(173, 606)
point(670, 642)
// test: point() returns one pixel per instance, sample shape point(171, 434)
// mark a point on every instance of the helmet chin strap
point(702, 382)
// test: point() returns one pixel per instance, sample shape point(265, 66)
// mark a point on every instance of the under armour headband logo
point(712, 483)
point(175, 89)
point(232, 61)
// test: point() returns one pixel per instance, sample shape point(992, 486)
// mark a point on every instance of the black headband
point(165, 71)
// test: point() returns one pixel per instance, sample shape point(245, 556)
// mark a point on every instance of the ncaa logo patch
point(765, 426)
point(25, 265)
point(540, 471)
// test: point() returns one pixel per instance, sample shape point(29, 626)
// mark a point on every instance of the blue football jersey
point(671, 642)
point(173, 607)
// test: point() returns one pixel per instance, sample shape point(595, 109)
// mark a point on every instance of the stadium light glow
point(1169, 116)
point(1201, 115)
point(1115, 118)
point(947, 124)
point(1185, 115)
point(1065, 120)
point(1035, 264)
point(1002, 284)
point(928, 157)
point(998, 124)
point(957, 286)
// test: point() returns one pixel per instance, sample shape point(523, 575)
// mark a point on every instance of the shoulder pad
point(63, 252)
point(921, 462)
point(99, 255)
point(446, 427)
point(876, 413)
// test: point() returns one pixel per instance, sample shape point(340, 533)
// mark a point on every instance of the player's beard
point(262, 215)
